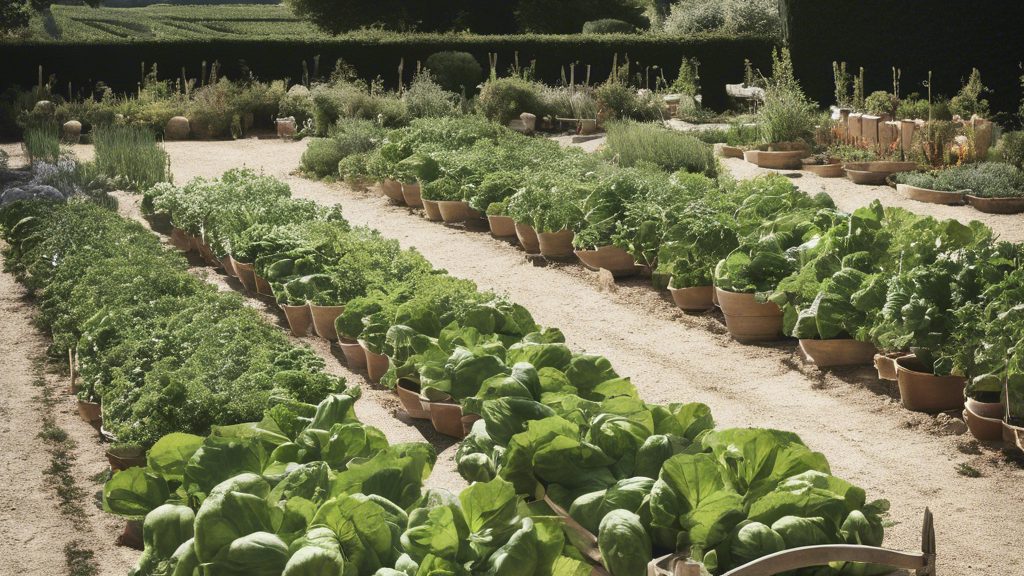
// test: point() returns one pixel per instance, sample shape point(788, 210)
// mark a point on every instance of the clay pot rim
point(967, 408)
point(913, 358)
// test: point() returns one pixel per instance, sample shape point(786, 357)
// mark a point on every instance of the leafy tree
point(16, 14)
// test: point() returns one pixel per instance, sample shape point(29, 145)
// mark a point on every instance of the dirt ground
point(847, 414)
point(33, 531)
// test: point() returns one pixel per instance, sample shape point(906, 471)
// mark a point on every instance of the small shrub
point(786, 116)
point(758, 17)
point(688, 81)
point(969, 101)
point(426, 99)
point(986, 180)
point(609, 26)
point(566, 102)
point(631, 143)
point(881, 102)
point(42, 143)
point(321, 157)
point(457, 72)
point(912, 108)
point(1011, 148)
point(618, 101)
point(504, 99)
point(298, 104)
point(348, 137)
point(335, 100)
point(131, 155)
point(388, 110)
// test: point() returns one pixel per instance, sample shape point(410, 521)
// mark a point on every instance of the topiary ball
point(455, 71)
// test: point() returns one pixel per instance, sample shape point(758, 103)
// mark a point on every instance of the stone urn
point(177, 128)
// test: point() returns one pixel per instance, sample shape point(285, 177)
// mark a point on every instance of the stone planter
point(924, 392)
point(376, 364)
point(996, 205)
point(610, 258)
point(885, 364)
point(875, 172)
point(501, 226)
point(300, 318)
point(323, 320)
point(447, 419)
point(355, 356)
point(825, 170)
point(411, 195)
point(731, 151)
point(854, 125)
point(125, 458)
point(285, 127)
point(838, 352)
point(262, 286)
point(556, 244)
point(91, 412)
point(528, 238)
point(180, 240)
point(748, 320)
point(984, 419)
point(696, 298)
point(588, 127)
point(453, 211)
point(246, 275)
point(432, 211)
point(412, 401)
point(930, 196)
point(869, 128)
point(782, 160)
point(393, 190)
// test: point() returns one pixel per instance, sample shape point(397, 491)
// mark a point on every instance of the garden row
point(880, 283)
point(286, 481)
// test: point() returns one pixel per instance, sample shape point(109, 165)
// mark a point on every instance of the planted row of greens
point(564, 424)
point(161, 349)
point(881, 275)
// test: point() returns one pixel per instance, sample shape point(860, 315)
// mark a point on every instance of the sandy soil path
point(33, 531)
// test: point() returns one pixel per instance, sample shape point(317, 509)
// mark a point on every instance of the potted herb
point(823, 165)
point(555, 220)
point(502, 225)
point(692, 248)
point(742, 281)
point(520, 209)
point(446, 195)
point(925, 187)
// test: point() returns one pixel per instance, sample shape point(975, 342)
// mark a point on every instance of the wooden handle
point(822, 555)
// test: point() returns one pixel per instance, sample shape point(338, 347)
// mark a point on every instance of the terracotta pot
point(982, 427)
point(228, 266)
point(882, 166)
point(997, 205)
point(985, 409)
point(866, 177)
point(393, 190)
point(453, 211)
point(886, 365)
point(501, 226)
point(825, 170)
point(694, 298)
point(557, 244)
point(610, 258)
point(747, 320)
point(924, 392)
point(207, 253)
point(131, 537)
point(1013, 434)
point(323, 320)
point(838, 352)
point(180, 240)
point(528, 238)
point(125, 458)
point(447, 419)
point(432, 210)
point(731, 151)
point(930, 196)
point(376, 364)
point(262, 286)
point(411, 195)
point(714, 297)
point(467, 423)
point(91, 412)
point(299, 318)
point(782, 160)
point(246, 276)
point(355, 356)
point(412, 402)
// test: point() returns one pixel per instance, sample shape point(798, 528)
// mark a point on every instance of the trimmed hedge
point(371, 55)
point(916, 37)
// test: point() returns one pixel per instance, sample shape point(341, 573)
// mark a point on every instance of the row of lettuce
point(948, 291)
point(258, 465)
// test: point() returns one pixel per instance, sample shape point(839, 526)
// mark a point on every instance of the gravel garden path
point(848, 414)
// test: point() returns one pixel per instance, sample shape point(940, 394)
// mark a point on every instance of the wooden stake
point(401, 66)
point(572, 75)
point(39, 91)
point(202, 75)
point(184, 81)
point(588, 75)
point(316, 67)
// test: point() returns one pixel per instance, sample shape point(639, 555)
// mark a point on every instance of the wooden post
point(142, 77)
point(202, 75)
point(572, 75)
point(184, 81)
point(39, 91)
point(588, 75)
point(316, 67)
point(69, 91)
point(71, 364)
point(401, 66)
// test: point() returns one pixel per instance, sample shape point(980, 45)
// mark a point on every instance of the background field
point(251, 22)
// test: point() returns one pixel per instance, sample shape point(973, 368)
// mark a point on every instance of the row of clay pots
point(986, 205)
point(446, 416)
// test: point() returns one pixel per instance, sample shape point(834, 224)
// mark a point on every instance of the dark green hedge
point(117, 65)
point(948, 38)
